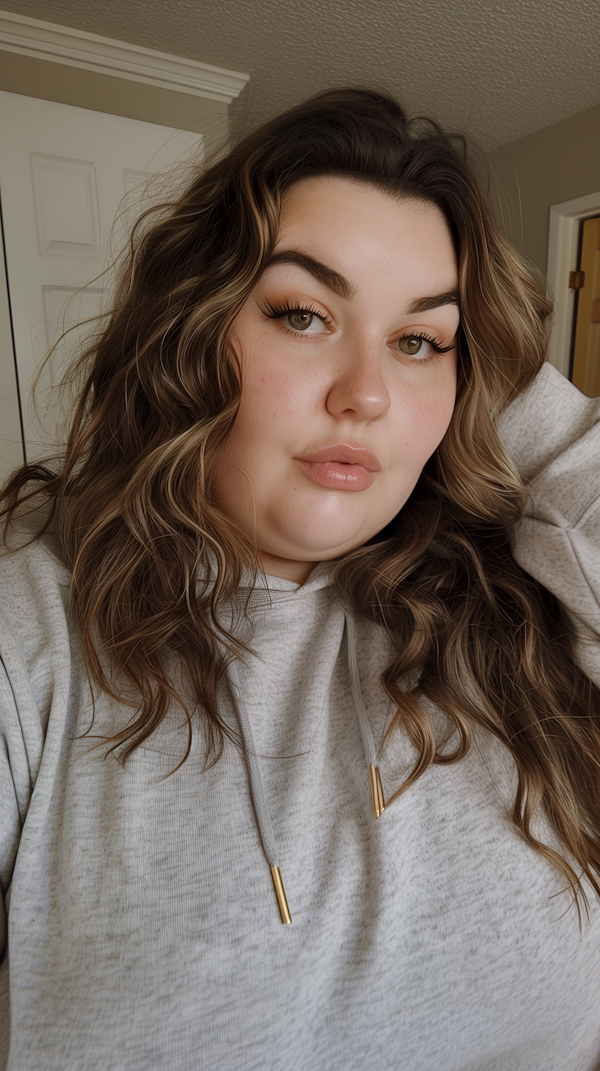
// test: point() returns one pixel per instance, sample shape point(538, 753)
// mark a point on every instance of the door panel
point(65, 202)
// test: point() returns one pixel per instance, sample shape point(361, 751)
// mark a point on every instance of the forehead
point(355, 227)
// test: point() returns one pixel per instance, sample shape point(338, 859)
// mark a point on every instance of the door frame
point(563, 247)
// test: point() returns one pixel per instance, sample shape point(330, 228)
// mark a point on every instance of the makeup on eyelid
point(287, 310)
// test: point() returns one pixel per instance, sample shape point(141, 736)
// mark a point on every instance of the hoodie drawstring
point(263, 818)
point(363, 720)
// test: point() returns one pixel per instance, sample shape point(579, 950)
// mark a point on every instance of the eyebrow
point(331, 279)
point(340, 285)
point(434, 301)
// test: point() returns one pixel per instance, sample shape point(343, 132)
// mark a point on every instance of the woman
point(269, 630)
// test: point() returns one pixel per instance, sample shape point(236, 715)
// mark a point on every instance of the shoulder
point(34, 594)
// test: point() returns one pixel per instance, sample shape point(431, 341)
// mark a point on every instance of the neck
point(298, 572)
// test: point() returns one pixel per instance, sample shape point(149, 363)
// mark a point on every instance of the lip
point(345, 455)
point(340, 466)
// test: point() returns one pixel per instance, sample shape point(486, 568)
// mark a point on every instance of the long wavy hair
point(152, 556)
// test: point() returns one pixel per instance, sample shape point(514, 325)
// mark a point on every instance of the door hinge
point(576, 280)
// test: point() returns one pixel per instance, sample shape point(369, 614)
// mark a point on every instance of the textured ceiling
point(496, 71)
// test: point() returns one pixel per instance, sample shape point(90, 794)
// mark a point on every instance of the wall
point(119, 96)
point(555, 164)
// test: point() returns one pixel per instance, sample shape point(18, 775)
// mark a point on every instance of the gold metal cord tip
point(286, 918)
point(376, 791)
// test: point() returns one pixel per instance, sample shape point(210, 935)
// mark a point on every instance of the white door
point(64, 172)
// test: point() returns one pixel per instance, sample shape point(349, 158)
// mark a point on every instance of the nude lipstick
point(340, 466)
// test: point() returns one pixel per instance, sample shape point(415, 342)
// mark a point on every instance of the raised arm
point(552, 433)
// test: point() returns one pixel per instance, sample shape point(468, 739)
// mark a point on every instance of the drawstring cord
point(363, 720)
point(263, 818)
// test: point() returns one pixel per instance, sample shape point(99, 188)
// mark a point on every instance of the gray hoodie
point(143, 928)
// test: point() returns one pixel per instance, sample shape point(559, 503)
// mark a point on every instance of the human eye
point(420, 347)
point(299, 319)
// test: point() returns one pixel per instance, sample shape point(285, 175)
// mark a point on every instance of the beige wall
point(119, 96)
point(555, 164)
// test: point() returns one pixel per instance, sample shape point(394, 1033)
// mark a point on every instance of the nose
point(359, 389)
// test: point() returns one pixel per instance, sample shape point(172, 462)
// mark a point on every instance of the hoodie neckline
point(319, 578)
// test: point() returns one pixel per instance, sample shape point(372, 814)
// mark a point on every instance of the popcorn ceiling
point(495, 71)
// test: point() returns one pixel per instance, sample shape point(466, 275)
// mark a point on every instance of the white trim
point(563, 240)
point(89, 51)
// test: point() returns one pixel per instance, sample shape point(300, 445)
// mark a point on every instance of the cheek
point(424, 412)
point(260, 394)
point(266, 407)
point(276, 396)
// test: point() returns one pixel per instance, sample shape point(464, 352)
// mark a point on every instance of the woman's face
point(347, 353)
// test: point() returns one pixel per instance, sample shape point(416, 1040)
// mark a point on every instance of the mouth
point(340, 466)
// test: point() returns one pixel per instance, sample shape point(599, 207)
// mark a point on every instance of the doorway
point(585, 356)
point(565, 246)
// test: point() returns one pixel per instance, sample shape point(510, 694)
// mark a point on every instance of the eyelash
point(277, 312)
point(426, 338)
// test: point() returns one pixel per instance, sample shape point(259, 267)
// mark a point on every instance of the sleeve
point(35, 682)
point(14, 795)
point(552, 433)
point(21, 744)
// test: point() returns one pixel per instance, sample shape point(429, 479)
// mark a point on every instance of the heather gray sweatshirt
point(143, 931)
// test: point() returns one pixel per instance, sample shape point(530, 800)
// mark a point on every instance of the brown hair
point(133, 512)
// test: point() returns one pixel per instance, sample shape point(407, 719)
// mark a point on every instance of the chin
point(313, 534)
point(326, 548)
